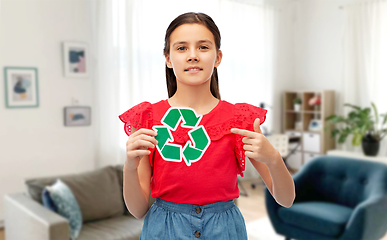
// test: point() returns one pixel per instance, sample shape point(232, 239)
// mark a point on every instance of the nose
point(193, 57)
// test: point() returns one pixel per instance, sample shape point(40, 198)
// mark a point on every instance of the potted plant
point(363, 126)
point(297, 104)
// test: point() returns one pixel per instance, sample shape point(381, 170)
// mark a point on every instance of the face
point(193, 54)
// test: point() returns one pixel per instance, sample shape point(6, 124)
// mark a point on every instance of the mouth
point(193, 69)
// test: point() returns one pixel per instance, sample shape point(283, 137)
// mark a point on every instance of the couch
point(336, 198)
point(100, 199)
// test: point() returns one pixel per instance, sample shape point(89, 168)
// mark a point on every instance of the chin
point(193, 83)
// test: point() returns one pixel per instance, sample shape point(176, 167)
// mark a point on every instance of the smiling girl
point(186, 151)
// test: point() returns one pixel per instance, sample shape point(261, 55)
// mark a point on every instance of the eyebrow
point(201, 41)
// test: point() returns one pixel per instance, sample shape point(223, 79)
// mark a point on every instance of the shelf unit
point(296, 123)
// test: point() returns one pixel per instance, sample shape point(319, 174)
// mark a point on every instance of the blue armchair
point(336, 198)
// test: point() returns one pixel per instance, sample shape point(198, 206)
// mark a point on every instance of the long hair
point(199, 18)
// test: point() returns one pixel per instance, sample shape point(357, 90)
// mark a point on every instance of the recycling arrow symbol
point(193, 150)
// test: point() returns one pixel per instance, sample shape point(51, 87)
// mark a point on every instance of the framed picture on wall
point(21, 87)
point(75, 59)
point(77, 116)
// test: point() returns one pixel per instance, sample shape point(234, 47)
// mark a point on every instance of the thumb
point(257, 125)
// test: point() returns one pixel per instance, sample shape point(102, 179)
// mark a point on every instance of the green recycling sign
point(193, 150)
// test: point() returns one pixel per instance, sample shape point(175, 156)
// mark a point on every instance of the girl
point(188, 150)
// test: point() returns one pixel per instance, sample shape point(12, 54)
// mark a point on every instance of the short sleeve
point(139, 116)
point(245, 115)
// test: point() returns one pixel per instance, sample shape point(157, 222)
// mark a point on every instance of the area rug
point(262, 229)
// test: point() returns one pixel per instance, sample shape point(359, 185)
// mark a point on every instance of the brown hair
point(199, 18)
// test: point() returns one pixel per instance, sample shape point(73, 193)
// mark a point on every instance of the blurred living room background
point(97, 58)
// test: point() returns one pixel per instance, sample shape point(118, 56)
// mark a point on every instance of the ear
point(168, 61)
point(218, 58)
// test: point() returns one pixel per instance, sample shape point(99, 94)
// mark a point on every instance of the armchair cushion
point(321, 217)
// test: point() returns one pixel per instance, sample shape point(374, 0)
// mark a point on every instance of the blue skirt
point(172, 221)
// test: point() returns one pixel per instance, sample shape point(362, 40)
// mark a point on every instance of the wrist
point(275, 161)
point(129, 167)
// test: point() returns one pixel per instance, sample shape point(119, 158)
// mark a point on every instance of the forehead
point(191, 32)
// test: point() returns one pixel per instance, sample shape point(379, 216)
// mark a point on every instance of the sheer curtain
point(249, 43)
point(131, 67)
point(365, 56)
point(111, 51)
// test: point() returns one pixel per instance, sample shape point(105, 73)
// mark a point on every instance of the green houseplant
point(362, 125)
point(297, 104)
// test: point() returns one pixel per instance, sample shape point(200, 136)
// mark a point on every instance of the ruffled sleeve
point(139, 116)
point(244, 116)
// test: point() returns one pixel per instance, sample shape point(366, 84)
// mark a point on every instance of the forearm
point(136, 197)
point(282, 182)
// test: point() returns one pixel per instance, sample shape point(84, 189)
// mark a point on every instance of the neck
point(198, 97)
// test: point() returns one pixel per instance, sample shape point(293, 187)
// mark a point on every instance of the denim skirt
point(172, 221)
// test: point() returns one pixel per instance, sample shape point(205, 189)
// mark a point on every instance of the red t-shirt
point(211, 179)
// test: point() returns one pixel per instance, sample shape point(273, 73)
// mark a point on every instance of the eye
point(203, 47)
point(181, 48)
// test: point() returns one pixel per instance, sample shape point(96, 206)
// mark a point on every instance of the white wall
point(318, 37)
point(34, 141)
point(285, 58)
point(318, 32)
point(319, 29)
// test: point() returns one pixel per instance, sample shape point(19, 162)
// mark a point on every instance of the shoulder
point(143, 107)
point(249, 112)
point(243, 110)
point(140, 115)
point(135, 110)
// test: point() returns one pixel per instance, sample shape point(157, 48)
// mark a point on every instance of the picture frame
point(75, 60)
point(77, 116)
point(21, 87)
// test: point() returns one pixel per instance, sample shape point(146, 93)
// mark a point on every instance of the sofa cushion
point(97, 192)
point(120, 175)
point(118, 228)
point(322, 217)
point(67, 206)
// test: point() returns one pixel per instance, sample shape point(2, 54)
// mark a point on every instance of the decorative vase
point(297, 107)
point(370, 148)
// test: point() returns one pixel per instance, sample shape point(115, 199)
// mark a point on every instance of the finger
point(142, 143)
point(250, 141)
point(137, 153)
point(251, 155)
point(257, 126)
point(146, 138)
point(250, 148)
point(243, 132)
point(144, 131)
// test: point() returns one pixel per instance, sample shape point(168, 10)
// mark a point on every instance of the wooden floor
point(252, 206)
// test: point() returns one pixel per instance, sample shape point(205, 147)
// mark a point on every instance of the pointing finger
point(243, 132)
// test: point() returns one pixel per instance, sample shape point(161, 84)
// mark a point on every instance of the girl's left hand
point(256, 144)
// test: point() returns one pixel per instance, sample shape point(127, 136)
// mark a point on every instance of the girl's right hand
point(137, 145)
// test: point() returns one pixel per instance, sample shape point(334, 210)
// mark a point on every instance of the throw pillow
point(67, 206)
point(47, 201)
